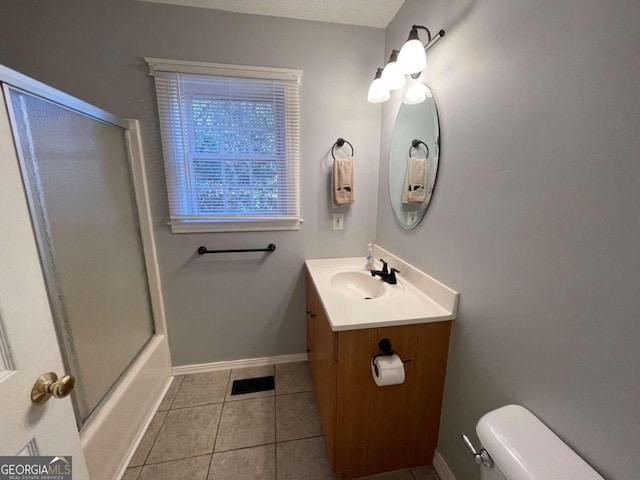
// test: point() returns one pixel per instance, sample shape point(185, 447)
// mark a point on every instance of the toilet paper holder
point(385, 350)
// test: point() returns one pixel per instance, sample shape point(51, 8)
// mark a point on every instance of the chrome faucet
point(385, 274)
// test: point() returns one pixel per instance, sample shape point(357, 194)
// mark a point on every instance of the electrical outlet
point(338, 221)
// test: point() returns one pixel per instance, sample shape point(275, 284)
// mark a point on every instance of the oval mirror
point(413, 159)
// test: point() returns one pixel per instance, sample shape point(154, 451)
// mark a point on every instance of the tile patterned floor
point(201, 432)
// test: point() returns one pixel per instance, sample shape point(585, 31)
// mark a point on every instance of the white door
point(28, 343)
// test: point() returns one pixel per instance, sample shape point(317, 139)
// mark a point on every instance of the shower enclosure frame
point(110, 435)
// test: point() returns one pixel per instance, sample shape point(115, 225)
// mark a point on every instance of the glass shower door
point(76, 173)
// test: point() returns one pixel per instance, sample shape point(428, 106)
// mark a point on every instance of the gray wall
point(535, 218)
point(223, 307)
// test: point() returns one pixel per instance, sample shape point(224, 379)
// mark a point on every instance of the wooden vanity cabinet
point(324, 365)
point(370, 429)
point(311, 308)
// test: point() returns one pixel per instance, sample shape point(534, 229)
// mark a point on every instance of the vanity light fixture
point(392, 76)
point(378, 91)
point(416, 93)
point(412, 59)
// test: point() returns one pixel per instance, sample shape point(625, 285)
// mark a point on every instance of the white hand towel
point(417, 179)
point(343, 175)
point(405, 185)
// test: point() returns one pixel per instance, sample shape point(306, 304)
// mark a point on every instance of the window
point(230, 138)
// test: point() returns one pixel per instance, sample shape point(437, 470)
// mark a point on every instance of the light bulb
point(416, 93)
point(412, 57)
point(378, 91)
point(392, 76)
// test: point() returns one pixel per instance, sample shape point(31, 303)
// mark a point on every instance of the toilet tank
point(523, 448)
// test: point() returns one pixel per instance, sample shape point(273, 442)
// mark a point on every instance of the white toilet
point(523, 448)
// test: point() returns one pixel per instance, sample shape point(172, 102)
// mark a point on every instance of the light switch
point(338, 221)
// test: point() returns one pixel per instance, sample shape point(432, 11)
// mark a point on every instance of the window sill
point(236, 226)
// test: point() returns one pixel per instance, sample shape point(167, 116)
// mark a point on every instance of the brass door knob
point(49, 385)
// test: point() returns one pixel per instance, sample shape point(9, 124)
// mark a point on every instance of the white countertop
point(412, 301)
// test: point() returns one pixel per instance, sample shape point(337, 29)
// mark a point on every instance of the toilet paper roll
point(390, 370)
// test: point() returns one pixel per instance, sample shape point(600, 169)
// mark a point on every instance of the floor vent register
point(252, 385)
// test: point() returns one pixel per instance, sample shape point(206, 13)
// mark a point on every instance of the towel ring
point(415, 144)
point(340, 143)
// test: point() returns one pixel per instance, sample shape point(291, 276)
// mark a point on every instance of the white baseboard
point(247, 362)
point(441, 467)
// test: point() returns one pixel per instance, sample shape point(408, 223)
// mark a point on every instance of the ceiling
point(370, 13)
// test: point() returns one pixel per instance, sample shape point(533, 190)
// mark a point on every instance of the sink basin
point(357, 285)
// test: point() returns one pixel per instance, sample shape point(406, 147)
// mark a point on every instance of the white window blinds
point(231, 145)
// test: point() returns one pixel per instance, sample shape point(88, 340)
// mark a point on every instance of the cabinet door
point(393, 427)
point(356, 405)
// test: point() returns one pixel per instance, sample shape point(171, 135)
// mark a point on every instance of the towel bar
point(270, 248)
